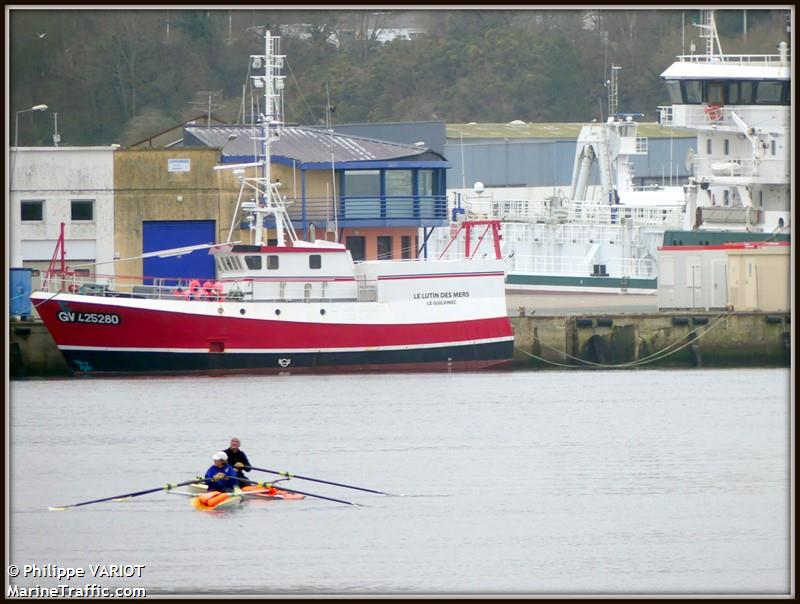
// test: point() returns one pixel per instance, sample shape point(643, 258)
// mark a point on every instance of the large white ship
point(739, 189)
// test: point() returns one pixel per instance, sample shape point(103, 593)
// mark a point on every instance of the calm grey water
point(525, 482)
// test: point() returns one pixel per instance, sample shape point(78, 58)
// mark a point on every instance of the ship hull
point(119, 336)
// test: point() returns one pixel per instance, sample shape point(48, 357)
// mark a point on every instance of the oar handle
point(336, 484)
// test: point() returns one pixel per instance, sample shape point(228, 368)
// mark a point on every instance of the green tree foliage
point(120, 75)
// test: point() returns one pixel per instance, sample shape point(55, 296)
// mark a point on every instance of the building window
point(399, 187)
point(32, 211)
point(727, 146)
point(315, 261)
point(253, 262)
point(405, 247)
point(272, 262)
point(82, 209)
point(385, 247)
point(708, 146)
point(357, 247)
point(362, 191)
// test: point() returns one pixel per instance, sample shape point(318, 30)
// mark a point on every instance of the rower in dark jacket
point(238, 458)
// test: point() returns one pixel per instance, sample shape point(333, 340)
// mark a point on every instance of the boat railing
point(595, 213)
point(723, 166)
point(725, 59)
point(578, 266)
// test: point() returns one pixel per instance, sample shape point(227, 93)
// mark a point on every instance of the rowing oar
point(268, 485)
point(166, 487)
point(336, 484)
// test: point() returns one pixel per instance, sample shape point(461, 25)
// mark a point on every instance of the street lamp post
point(16, 120)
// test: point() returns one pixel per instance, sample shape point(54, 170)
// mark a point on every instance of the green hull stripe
point(607, 282)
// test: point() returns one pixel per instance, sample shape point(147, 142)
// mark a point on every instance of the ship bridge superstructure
point(739, 107)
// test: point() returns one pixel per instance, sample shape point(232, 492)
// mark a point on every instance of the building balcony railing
point(383, 209)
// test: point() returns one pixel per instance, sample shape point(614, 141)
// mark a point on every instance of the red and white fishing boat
point(298, 306)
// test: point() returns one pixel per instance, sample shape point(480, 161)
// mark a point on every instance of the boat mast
point(271, 125)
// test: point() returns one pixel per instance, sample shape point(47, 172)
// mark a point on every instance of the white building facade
point(51, 185)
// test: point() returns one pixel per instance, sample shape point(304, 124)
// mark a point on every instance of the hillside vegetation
point(122, 75)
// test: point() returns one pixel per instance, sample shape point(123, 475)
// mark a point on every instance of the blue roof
point(306, 146)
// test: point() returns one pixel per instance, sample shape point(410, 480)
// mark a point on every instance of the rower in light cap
point(221, 476)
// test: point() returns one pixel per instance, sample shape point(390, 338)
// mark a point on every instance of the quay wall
point(739, 339)
point(589, 341)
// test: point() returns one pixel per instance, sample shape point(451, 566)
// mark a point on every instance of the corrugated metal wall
point(549, 162)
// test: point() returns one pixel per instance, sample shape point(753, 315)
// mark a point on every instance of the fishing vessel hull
point(105, 335)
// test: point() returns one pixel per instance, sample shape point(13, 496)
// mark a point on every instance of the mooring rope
point(656, 356)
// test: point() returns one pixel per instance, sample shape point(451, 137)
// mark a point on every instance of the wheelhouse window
point(272, 262)
point(315, 261)
point(32, 210)
point(740, 92)
point(769, 93)
point(715, 93)
point(82, 210)
point(253, 262)
point(692, 92)
point(674, 91)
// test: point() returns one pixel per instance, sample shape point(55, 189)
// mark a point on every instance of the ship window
point(32, 211)
point(236, 262)
point(674, 90)
point(315, 261)
point(726, 145)
point(772, 146)
point(708, 146)
point(740, 93)
point(769, 93)
point(253, 262)
point(692, 92)
point(715, 93)
point(726, 197)
point(272, 262)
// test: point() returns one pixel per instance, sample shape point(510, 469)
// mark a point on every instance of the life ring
point(219, 291)
point(208, 290)
point(713, 111)
point(73, 288)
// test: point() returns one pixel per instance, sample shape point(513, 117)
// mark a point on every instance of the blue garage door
point(166, 234)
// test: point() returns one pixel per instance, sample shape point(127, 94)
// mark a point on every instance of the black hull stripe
point(132, 363)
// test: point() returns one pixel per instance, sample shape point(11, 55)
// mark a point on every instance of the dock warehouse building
point(377, 194)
